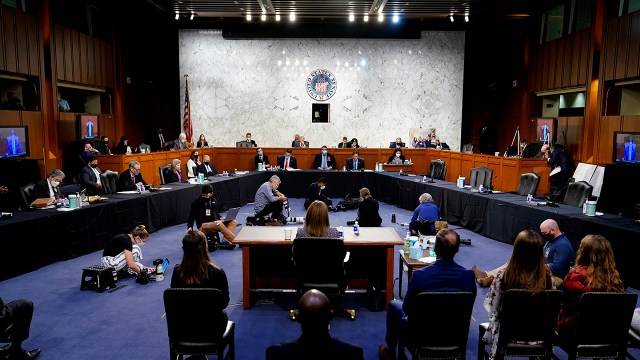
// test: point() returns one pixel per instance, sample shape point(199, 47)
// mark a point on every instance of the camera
point(294, 219)
point(143, 277)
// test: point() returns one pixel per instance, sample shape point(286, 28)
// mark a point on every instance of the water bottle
point(356, 228)
point(424, 179)
point(376, 167)
point(341, 232)
point(584, 206)
point(407, 243)
point(481, 188)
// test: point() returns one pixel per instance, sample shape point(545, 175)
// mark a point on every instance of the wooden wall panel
point(586, 51)
point(82, 54)
point(90, 63)
point(58, 51)
point(33, 119)
point(570, 46)
point(570, 131)
point(109, 66)
point(2, 47)
point(75, 57)
point(9, 117)
point(33, 43)
point(21, 42)
point(97, 61)
point(9, 31)
point(621, 48)
point(67, 51)
point(574, 67)
point(633, 58)
point(610, 49)
point(560, 51)
point(544, 80)
point(604, 138)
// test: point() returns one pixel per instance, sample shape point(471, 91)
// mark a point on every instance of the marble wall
point(384, 88)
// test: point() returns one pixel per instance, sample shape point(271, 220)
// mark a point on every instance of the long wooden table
point(267, 264)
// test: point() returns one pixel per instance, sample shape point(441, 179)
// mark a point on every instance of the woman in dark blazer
point(396, 157)
point(368, 210)
point(174, 174)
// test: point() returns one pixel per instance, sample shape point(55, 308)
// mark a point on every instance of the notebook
point(231, 214)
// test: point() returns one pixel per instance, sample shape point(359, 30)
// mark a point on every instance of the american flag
point(186, 118)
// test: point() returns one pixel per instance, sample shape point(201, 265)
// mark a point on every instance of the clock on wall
point(321, 84)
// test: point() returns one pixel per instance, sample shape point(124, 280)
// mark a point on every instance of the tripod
point(516, 134)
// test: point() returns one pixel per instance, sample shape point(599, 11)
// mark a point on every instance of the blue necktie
point(324, 161)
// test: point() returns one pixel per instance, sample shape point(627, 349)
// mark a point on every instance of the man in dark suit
point(103, 146)
point(158, 141)
point(249, 140)
point(50, 187)
point(315, 341)
point(556, 156)
point(300, 143)
point(316, 192)
point(17, 313)
point(444, 275)
point(355, 162)
point(206, 168)
point(287, 161)
point(324, 160)
point(130, 179)
point(90, 177)
point(261, 158)
point(345, 143)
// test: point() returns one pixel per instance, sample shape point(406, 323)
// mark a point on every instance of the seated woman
point(316, 223)
point(192, 163)
point(197, 270)
point(354, 143)
point(174, 174)
point(202, 141)
point(595, 270)
point(427, 210)
point(397, 157)
point(123, 251)
point(368, 210)
point(123, 146)
point(526, 270)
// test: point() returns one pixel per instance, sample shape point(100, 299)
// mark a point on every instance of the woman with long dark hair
point(194, 161)
point(316, 223)
point(202, 141)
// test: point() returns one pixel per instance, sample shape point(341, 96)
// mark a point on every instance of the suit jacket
point(265, 160)
point(368, 214)
point(314, 349)
point(560, 158)
point(103, 148)
point(125, 183)
point(41, 190)
point(344, 145)
point(293, 163)
point(201, 169)
point(296, 144)
point(172, 177)
point(315, 193)
point(350, 164)
point(390, 161)
point(89, 181)
point(331, 161)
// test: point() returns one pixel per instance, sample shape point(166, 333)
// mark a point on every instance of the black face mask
point(207, 163)
point(93, 165)
point(548, 237)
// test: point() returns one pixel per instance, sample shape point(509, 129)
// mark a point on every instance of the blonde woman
point(123, 251)
point(174, 174)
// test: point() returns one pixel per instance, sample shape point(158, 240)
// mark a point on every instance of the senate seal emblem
point(321, 85)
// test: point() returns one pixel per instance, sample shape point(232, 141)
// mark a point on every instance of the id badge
point(208, 212)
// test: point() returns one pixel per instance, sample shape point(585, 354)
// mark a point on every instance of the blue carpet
point(127, 323)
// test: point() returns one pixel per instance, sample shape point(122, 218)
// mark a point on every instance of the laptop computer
point(232, 214)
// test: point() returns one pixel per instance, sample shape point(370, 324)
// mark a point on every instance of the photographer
point(270, 201)
point(316, 192)
point(123, 251)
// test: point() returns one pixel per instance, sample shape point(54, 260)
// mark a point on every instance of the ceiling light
point(292, 17)
point(248, 16)
point(380, 17)
point(277, 17)
point(451, 18)
point(263, 17)
point(366, 18)
point(352, 17)
point(466, 18)
point(395, 18)
point(192, 15)
point(177, 16)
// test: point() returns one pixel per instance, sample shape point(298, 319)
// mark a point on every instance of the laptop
point(232, 214)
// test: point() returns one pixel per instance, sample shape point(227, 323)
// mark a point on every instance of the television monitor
point(87, 126)
point(14, 141)
point(624, 147)
point(546, 130)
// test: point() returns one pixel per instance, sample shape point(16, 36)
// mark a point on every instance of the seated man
point(441, 145)
point(50, 187)
point(88, 150)
point(261, 158)
point(315, 192)
point(287, 161)
point(103, 146)
point(130, 179)
point(204, 212)
point(324, 160)
point(444, 275)
point(90, 177)
point(181, 142)
point(355, 162)
point(17, 313)
point(558, 253)
point(315, 341)
point(345, 143)
point(270, 201)
point(206, 168)
point(300, 143)
point(249, 140)
point(397, 144)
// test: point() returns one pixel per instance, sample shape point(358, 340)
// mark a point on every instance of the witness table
point(404, 260)
point(267, 264)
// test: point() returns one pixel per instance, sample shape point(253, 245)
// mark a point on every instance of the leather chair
point(437, 169)
point(634, 342)
point(193, 323)
point(577, 193)
point(109, 180)
point(467, 148)
point(450, 341)
point(527, 333)
point(163, 169)
point(528, 184)
point(27, 195)
point(319, 264)
point(602, 326)
point(481, 175)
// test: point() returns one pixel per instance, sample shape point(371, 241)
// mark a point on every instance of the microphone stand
point(516, 134)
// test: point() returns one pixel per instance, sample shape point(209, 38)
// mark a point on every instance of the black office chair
point(528, 184)
point(437, 169)
point(163, 169)
point(602, 326)
point(481, 176)
point(27, 195)
point(577, 193)
point(319, 264)
point(194, 323)
point(450, 341)
point(109, 180)
point(144, 148)
point(394, 145)
point(194, 169)
point(527, 325)
point(467, 148)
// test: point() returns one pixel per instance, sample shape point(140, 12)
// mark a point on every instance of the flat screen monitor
point(624, 147)
point(546, 130)
point(87, 126)
point(14, 141)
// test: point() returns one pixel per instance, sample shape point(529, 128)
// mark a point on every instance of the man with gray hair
point(269, 201)
point(50, 187)
point(427, 210)
point(130, 179)
point(181, 142)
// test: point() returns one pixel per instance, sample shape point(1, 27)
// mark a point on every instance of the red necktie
point(286, 164)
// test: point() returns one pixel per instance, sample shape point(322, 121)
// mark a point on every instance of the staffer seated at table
point(204, 212)
point(124, 147)
point(355, 162)
point(130, 179)
point(103, 146)
point(88, 150)
point(440, 145)
point(397, 157)
point(50, 187)
point(174, 174)
point(202, 142)
point(316, 222)
point(123, 251)
point(207, 168)
point(90, 177)
point(192, 163)
point(345, 143)
point(324, 160)
point(269, 200)
point(427, 210)
point(261, 158)
point(354, 143)
point(368, 208)
point(397, 144)
point(301, 142)
point(316, 192)
point(287, 161)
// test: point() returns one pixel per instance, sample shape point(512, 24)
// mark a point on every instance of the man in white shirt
point(90, 177)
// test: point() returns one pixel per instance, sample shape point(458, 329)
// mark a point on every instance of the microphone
point(552, 200)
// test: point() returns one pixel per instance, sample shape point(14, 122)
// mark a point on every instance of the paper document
point(555, 171)
point(428, 259)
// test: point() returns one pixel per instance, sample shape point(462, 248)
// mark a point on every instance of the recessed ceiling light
point(263, 17)
point(352, 17)
point(366, 18)
point(292, 16)
point(277, 17)
point(466, 18)
point(191, 17)
point(177, 16)
point(451, 17)
point(248, 16)
point(380, 17)
point(395, 18)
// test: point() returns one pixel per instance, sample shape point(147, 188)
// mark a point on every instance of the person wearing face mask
point(249, 140)
point(324, 160)
point(130, 179)
point(345, 143)
point(261, 158)
point(558, 254)
point(103, 146)
point(123, 252)
point(90, 177)
point(50, 187)
point(397, 157)
point(204, 212)
point(269, 200)
point(206, 168)
point(193, 162)
point(316, 192)
point(287, 161)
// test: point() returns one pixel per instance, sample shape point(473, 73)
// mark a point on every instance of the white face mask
point(55, 183)
point(322, 187)
point(398, 155)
